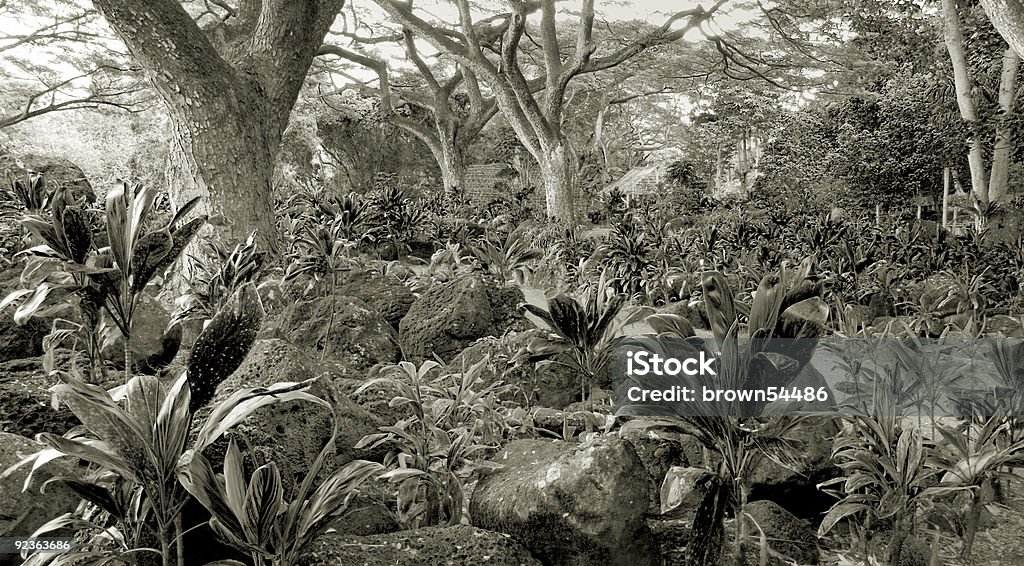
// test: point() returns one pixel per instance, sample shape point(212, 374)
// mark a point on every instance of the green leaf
point(30, 307)
point(264, 501)
point(149, 253)
point(91, 492)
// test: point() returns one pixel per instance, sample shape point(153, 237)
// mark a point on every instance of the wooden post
point(878, 214)
point(945, 196)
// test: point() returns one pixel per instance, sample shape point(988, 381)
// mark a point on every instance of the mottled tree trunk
point(450, 160)
point(229, 97)
point(226, 156)
point(998, 186)
point(558, 184)
point(1008, 18)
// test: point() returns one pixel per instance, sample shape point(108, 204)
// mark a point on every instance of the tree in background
point(537, 119)
point(989, 173)
point(59, 57)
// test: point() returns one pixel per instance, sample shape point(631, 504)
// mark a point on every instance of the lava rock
point(291, 434)
point(570, 504)
point(25, 400)
point(547, 385)
point(356, 336)
point(784, 533)
point(19, 340)
point(450, 316)
point(385, 294)
point(152, 344)
point(24, 511)
point(56, 173)
point(659, 452)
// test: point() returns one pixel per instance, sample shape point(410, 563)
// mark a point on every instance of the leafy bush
point(439, 446)
point(253, 515)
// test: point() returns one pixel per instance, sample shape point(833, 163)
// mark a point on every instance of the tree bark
point(1008, 18)
point(557, 176)
point(229, 103)
point(954, 39)
point(998, 187)
point(451, 160)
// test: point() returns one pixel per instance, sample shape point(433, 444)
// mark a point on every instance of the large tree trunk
point(558, 184)
point(998, 187)
point(451, 161)
point(222, 153)
point(1008, 18)
point(230, 102)
point(953, 35)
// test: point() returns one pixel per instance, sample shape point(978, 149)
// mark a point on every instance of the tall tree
point(537, 118)
point(455, 103)
point(986, 187)
point(229, 92)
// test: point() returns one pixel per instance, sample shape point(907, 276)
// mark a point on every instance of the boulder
point(569, 503)
point(152, 344)
point(22, 512)
point(784, 533)
point(659, 452)
point(450, 316)
point(56, 173)
point(937, 291)
point(455, 545)
point(291, 434)
point(549, 385)
point(355, 337)
point(691, 312)
point(366, 516)
point(25, 400)
point(915, 552)
point(385, 294)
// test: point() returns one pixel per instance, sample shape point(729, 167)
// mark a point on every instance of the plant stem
point(741, 525)
point(165, 548)
point(127, 360)
point(180, 546)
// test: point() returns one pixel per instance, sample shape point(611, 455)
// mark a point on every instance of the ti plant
point(138, 432)
point(886, 478)
point(212, 288)
point(785, 320)
point(142, 442)
point(106, 282)
point(253, 515)
point(31, 192)
point(582, 330)
point(508, 258)
point(971, 463)
point(434, 450)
